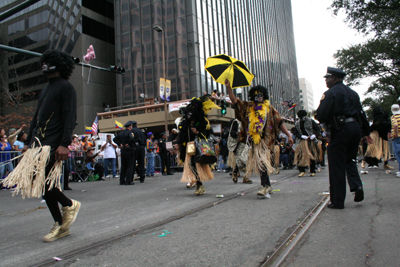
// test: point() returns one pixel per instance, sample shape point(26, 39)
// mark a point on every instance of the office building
point(69, 26)
point(258, 32)
point(306, 95)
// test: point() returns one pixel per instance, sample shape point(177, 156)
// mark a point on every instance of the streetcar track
point(81, 250)
point(282, 252)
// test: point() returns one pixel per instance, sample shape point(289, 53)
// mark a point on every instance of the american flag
point(95, 126)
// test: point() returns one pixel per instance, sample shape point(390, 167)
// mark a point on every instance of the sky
point(318, 35)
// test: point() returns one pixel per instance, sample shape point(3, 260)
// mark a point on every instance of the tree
point(379, 21)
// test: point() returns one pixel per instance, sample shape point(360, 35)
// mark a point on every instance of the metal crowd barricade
point(7, 164)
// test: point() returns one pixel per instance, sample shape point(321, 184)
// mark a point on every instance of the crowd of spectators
point(10, 147)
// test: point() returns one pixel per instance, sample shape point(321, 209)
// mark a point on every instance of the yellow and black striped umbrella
point(223, 67)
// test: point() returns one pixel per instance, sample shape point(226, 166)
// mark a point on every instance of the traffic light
point(117, 69)
point(223, 108)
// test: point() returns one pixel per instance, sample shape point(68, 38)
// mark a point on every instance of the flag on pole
point(88, 130)
point(95, 127)
point(118, 125)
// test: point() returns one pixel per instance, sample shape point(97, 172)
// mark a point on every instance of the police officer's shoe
point(247, 180)
point(130, 183)
point(359, 195)
point(312, 174)
point(331, 206)
point(302, 174)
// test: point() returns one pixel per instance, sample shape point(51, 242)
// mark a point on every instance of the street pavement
point(363, 234)
point(162, 223)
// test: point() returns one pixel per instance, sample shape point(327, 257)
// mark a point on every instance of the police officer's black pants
point(165, 164)
point(127, 167)
point(342, 153)
point(55, 196)
point(139, 156)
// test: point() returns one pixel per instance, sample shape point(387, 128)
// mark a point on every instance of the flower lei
point(257, 114)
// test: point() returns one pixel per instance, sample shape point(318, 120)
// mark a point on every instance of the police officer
point(165, 162)
point(125, 140)
point(140, 152)
point(340, 110)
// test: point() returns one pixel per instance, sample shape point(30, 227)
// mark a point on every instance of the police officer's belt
point(128, 148)
point(351, 119)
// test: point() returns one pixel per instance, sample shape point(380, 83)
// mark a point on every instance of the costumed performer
point(380, 128)
point(47, 144)
point(195, 123)
point(261, 123)
point(308, 150)
point(236, 160)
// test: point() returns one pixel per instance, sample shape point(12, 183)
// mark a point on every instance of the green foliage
point(379, 21)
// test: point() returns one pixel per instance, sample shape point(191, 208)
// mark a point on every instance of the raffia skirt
point(201, 172)
point(29, 177)
point(259, 159)
point(307, 150)
point(379, 149)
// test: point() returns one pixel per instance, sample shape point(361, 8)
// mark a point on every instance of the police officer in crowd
point(125, 140)
point(165, 161)
point(340, 110)
point(140, 152)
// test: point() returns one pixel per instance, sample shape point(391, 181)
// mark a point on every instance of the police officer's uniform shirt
point(125, 137)
point(340, 100)
point(139, 136)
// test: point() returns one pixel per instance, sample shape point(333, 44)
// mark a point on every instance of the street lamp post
point(159, 29)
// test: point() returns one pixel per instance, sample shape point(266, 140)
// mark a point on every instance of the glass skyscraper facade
point(70, 26)
point(258, 32)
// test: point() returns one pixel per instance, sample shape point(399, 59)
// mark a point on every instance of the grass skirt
point(259, 159)
point(232, 160)
point(307, 150)
point(375, 150)
point(275, 156)
point(203, 171)
point(29, 176)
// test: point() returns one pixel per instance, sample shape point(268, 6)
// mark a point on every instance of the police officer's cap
point(163, 133)
point(129, 123)
point(134, 123)
point(335, 72)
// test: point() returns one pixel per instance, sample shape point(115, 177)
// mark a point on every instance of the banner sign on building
point(162, 88)
point(168, 88)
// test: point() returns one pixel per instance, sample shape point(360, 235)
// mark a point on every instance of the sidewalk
point(363, 234)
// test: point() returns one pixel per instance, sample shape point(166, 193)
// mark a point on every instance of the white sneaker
point(398, 175)
point(370, 167)
point(375, 166)
point(108, 176)
point(116, 176)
